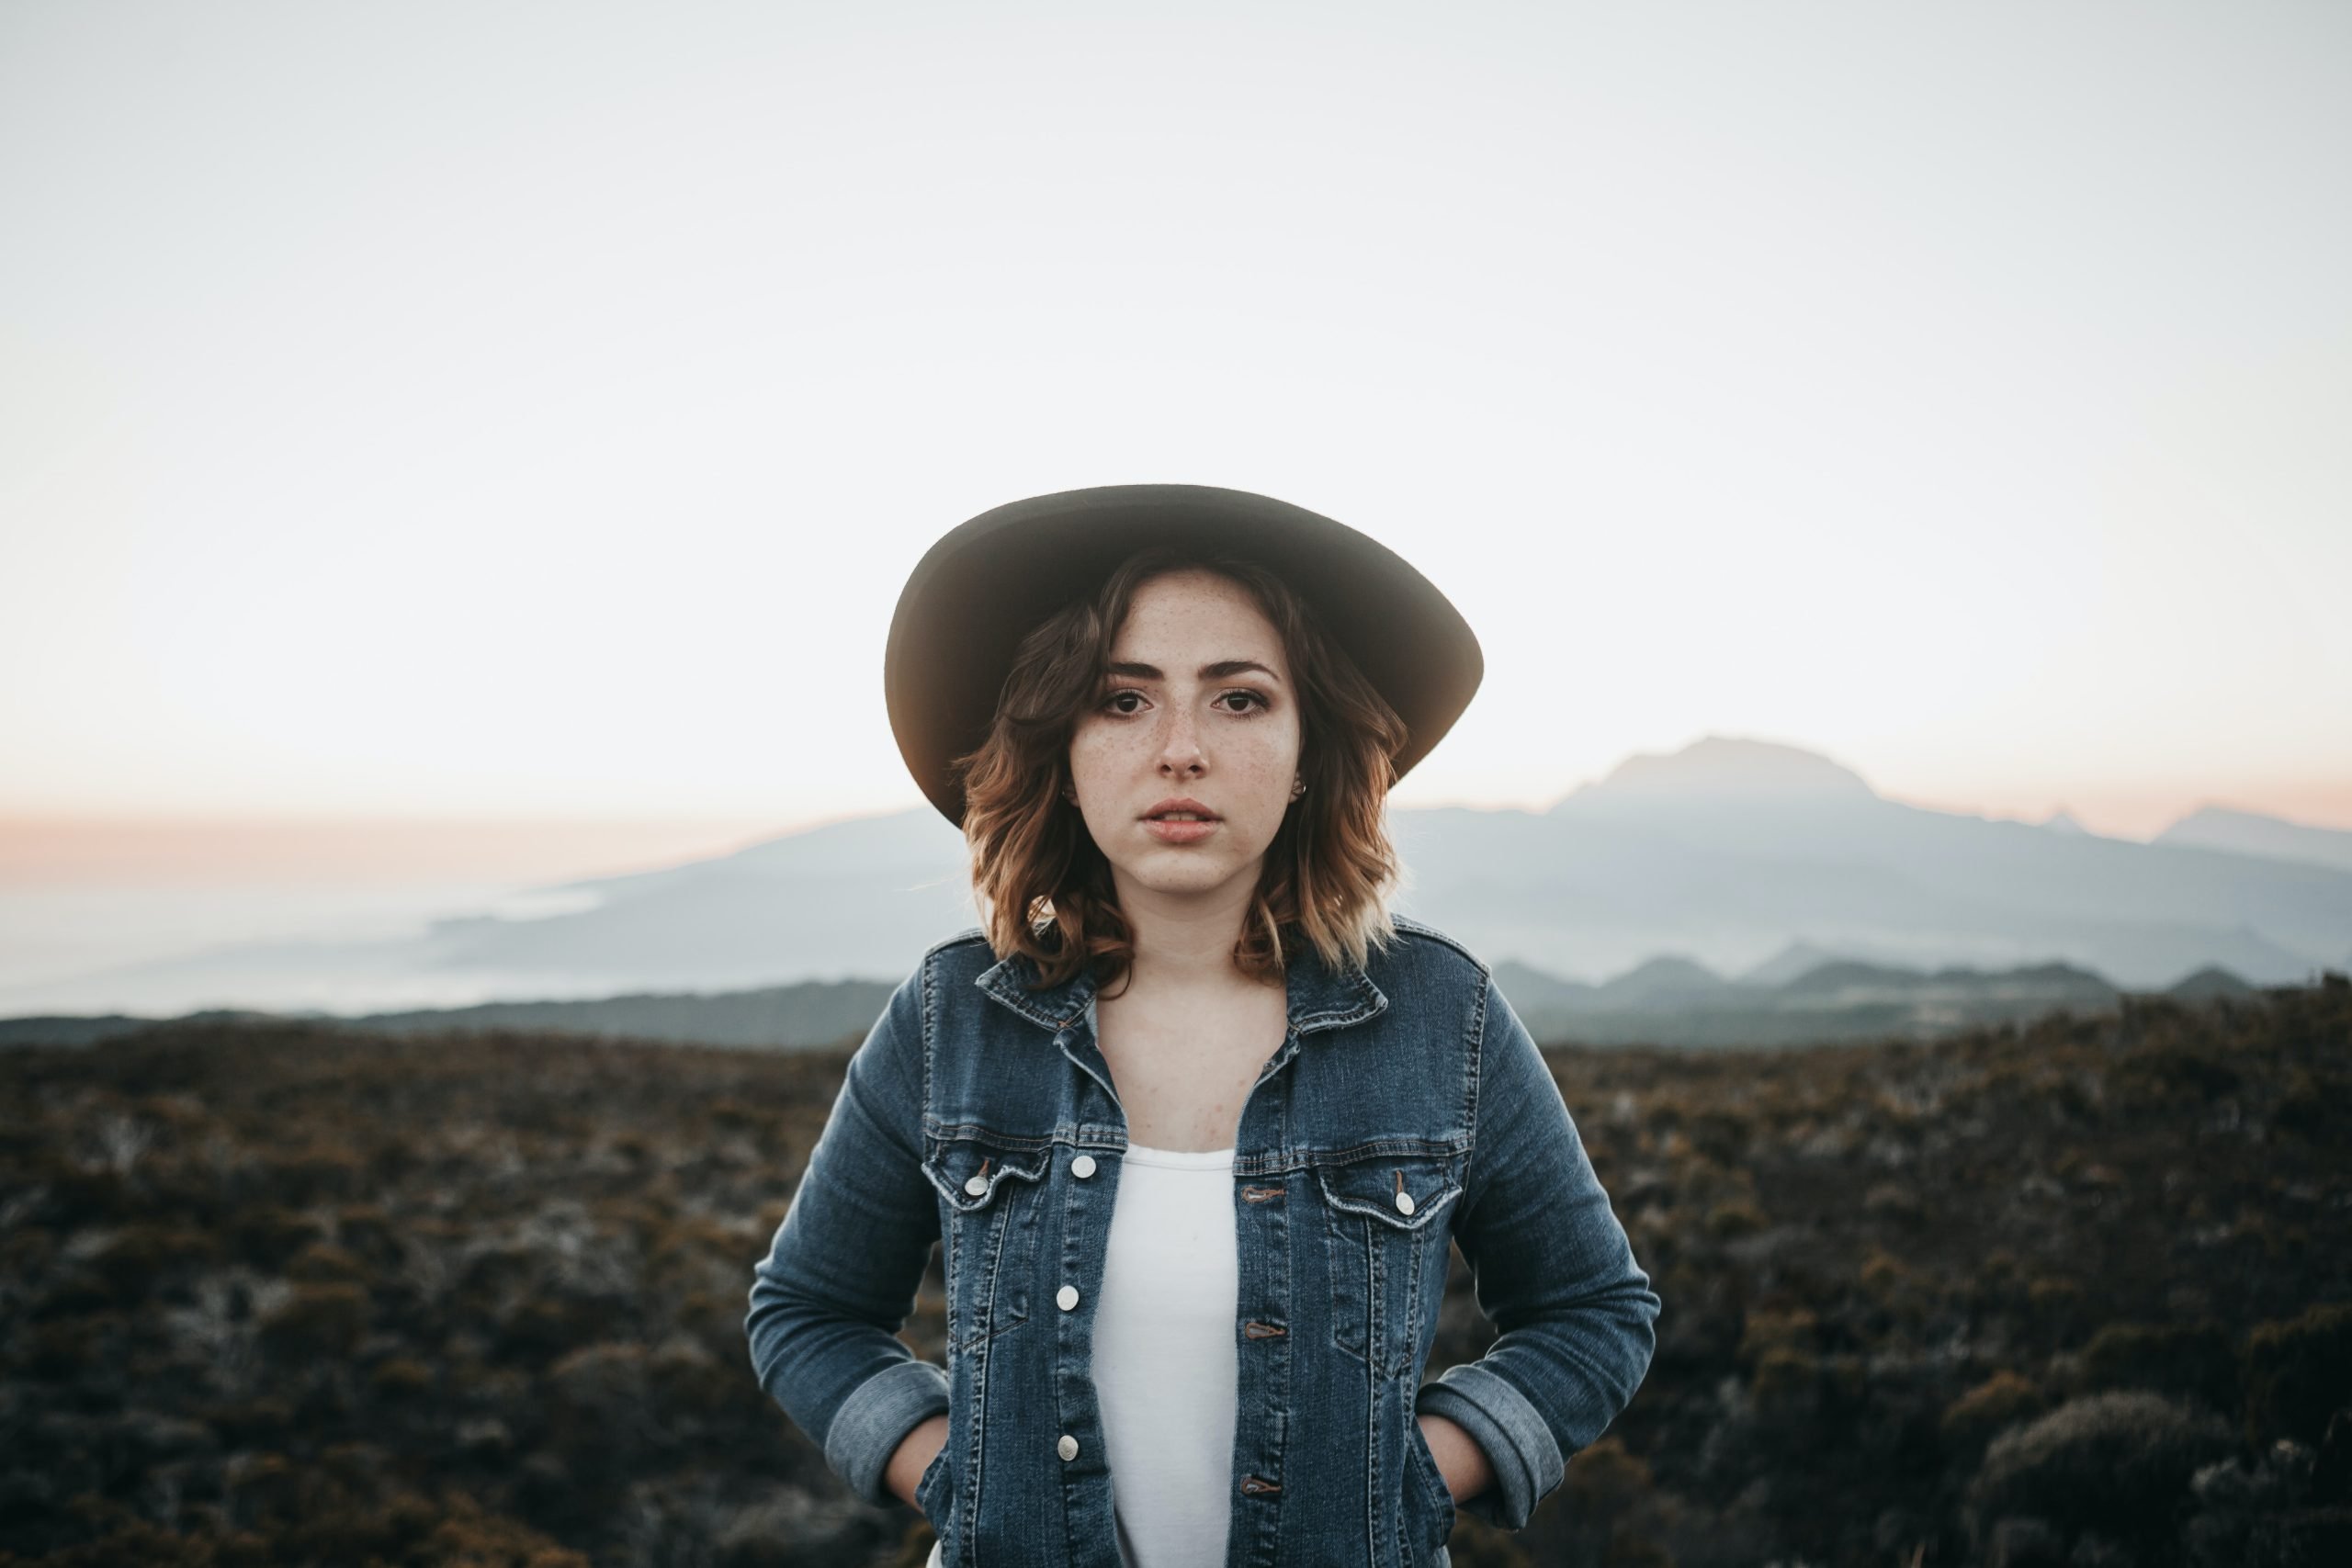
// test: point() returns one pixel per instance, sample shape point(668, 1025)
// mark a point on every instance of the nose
point(1180, 748)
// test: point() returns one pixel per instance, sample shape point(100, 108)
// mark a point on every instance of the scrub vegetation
point(2078, 1290)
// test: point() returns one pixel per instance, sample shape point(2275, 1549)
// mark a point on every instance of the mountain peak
point(2218, 827)
point(1798, 957)
point(1723, 766)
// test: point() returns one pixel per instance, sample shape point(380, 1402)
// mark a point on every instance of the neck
point(1186, 944)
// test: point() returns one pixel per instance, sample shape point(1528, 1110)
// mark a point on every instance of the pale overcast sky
point(496, 409)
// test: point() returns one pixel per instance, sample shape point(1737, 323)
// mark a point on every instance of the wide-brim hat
point(988, 584)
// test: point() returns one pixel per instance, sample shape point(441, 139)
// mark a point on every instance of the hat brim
point(986, 584)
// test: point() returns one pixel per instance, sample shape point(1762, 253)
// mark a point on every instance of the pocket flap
point(971, 1172)
point(1403, 1191)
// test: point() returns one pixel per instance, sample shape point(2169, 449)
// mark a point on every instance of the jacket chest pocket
point(1385, 1221)
point(990, 1191)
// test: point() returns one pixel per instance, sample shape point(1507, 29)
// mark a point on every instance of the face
point(1198, 704)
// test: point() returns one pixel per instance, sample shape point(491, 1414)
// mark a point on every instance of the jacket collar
point(1321, 996)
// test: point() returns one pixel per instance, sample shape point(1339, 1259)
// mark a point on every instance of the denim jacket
point(1407, 1106)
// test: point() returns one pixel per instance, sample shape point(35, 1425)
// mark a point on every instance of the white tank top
point(1165, 1363)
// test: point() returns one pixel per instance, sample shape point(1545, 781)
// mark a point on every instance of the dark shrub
point(2196, 1359)
point(2116, 1464)
point(401, 1377)
point(2298, 1373)
point(142, 1259)
point(2001, 1401)
point(323, 1263)
point(308, 1175)
point(2318, 1109)
point(370, 1232)
point(76, 1198)
point(604, 1419)
point(540, 1328)
point(2175, 1073)
point(2332, 1470)
point(266, 1235)
point(318, 1319)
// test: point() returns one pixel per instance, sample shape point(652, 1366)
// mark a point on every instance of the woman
point(1193, 1118)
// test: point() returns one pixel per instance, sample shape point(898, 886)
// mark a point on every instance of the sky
point(528, 414)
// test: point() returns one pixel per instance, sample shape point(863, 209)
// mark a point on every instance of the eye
point(1114, 697)
point(1260, 702)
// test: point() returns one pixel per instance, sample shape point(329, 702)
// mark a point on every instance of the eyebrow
point(1218, 672)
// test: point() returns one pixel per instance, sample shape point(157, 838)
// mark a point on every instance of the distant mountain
point(2250, 833)
point(1668, 1001)
point(1530, 987)
point(811, 1013)
point(2210, 982)
point(1792, 960)
point(1731, 857)
point(1729, 850)
point(814, 1012)
point(861, 897)
point(1673, 1002)
point(1662, 981)
point(88, 1028)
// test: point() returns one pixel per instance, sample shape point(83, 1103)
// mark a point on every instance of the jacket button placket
point(1262, 1219)
point(1087, 1200)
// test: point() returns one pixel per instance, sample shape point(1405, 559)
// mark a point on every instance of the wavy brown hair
point(1043, 886)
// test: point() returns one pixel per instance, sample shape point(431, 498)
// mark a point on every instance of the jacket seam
point(924, 1020)
point(1403, 922)
point(969, 934)
point(1477, 1080)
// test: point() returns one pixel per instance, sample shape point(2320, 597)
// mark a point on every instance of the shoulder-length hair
point(1043, 887)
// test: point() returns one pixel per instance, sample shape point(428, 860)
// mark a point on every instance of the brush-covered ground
point(2077, 1291)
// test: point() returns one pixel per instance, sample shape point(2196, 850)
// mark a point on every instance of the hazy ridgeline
point(2075, 1290)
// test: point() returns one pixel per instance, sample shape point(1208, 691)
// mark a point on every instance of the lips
point(1182, 806)
point(1176, 830)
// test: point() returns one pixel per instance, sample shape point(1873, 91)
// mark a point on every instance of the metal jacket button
point(977, 1185)
point(1082, 1167)
point(1068, 1447)
point(1066, 1297)
point(1404, 1199)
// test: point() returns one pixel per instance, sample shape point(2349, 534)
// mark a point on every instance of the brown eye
point(1260, 702)
point(1114, 697)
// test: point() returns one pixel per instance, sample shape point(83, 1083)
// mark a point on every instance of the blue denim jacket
point(1406, 1106)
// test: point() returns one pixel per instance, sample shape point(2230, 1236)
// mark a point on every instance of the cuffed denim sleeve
point(1554, 1271)
point(840, 1276)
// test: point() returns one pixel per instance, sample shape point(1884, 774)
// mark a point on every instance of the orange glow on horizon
point(83, 851)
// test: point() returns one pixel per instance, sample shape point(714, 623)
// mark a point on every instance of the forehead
point(1198, 604)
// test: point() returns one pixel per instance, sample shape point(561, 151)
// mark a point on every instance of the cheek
point(1093, 749)
point(1269, 766)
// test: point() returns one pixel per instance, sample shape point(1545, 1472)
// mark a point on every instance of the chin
point(1198, 877)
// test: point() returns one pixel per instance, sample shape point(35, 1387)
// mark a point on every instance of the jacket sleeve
point(840, 1276)
point(1556, 1274)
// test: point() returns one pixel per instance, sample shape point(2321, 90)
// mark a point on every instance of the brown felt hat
point(988, 584)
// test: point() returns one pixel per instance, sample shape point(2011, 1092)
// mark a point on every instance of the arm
point(1461, 1463)
point(840, 1278)
point(914, 1456)
point(1556, 1274)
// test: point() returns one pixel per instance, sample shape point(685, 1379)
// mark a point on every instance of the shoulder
point(944, 963)
point(964, 943)
point(1424, 955)
point(950, 965)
